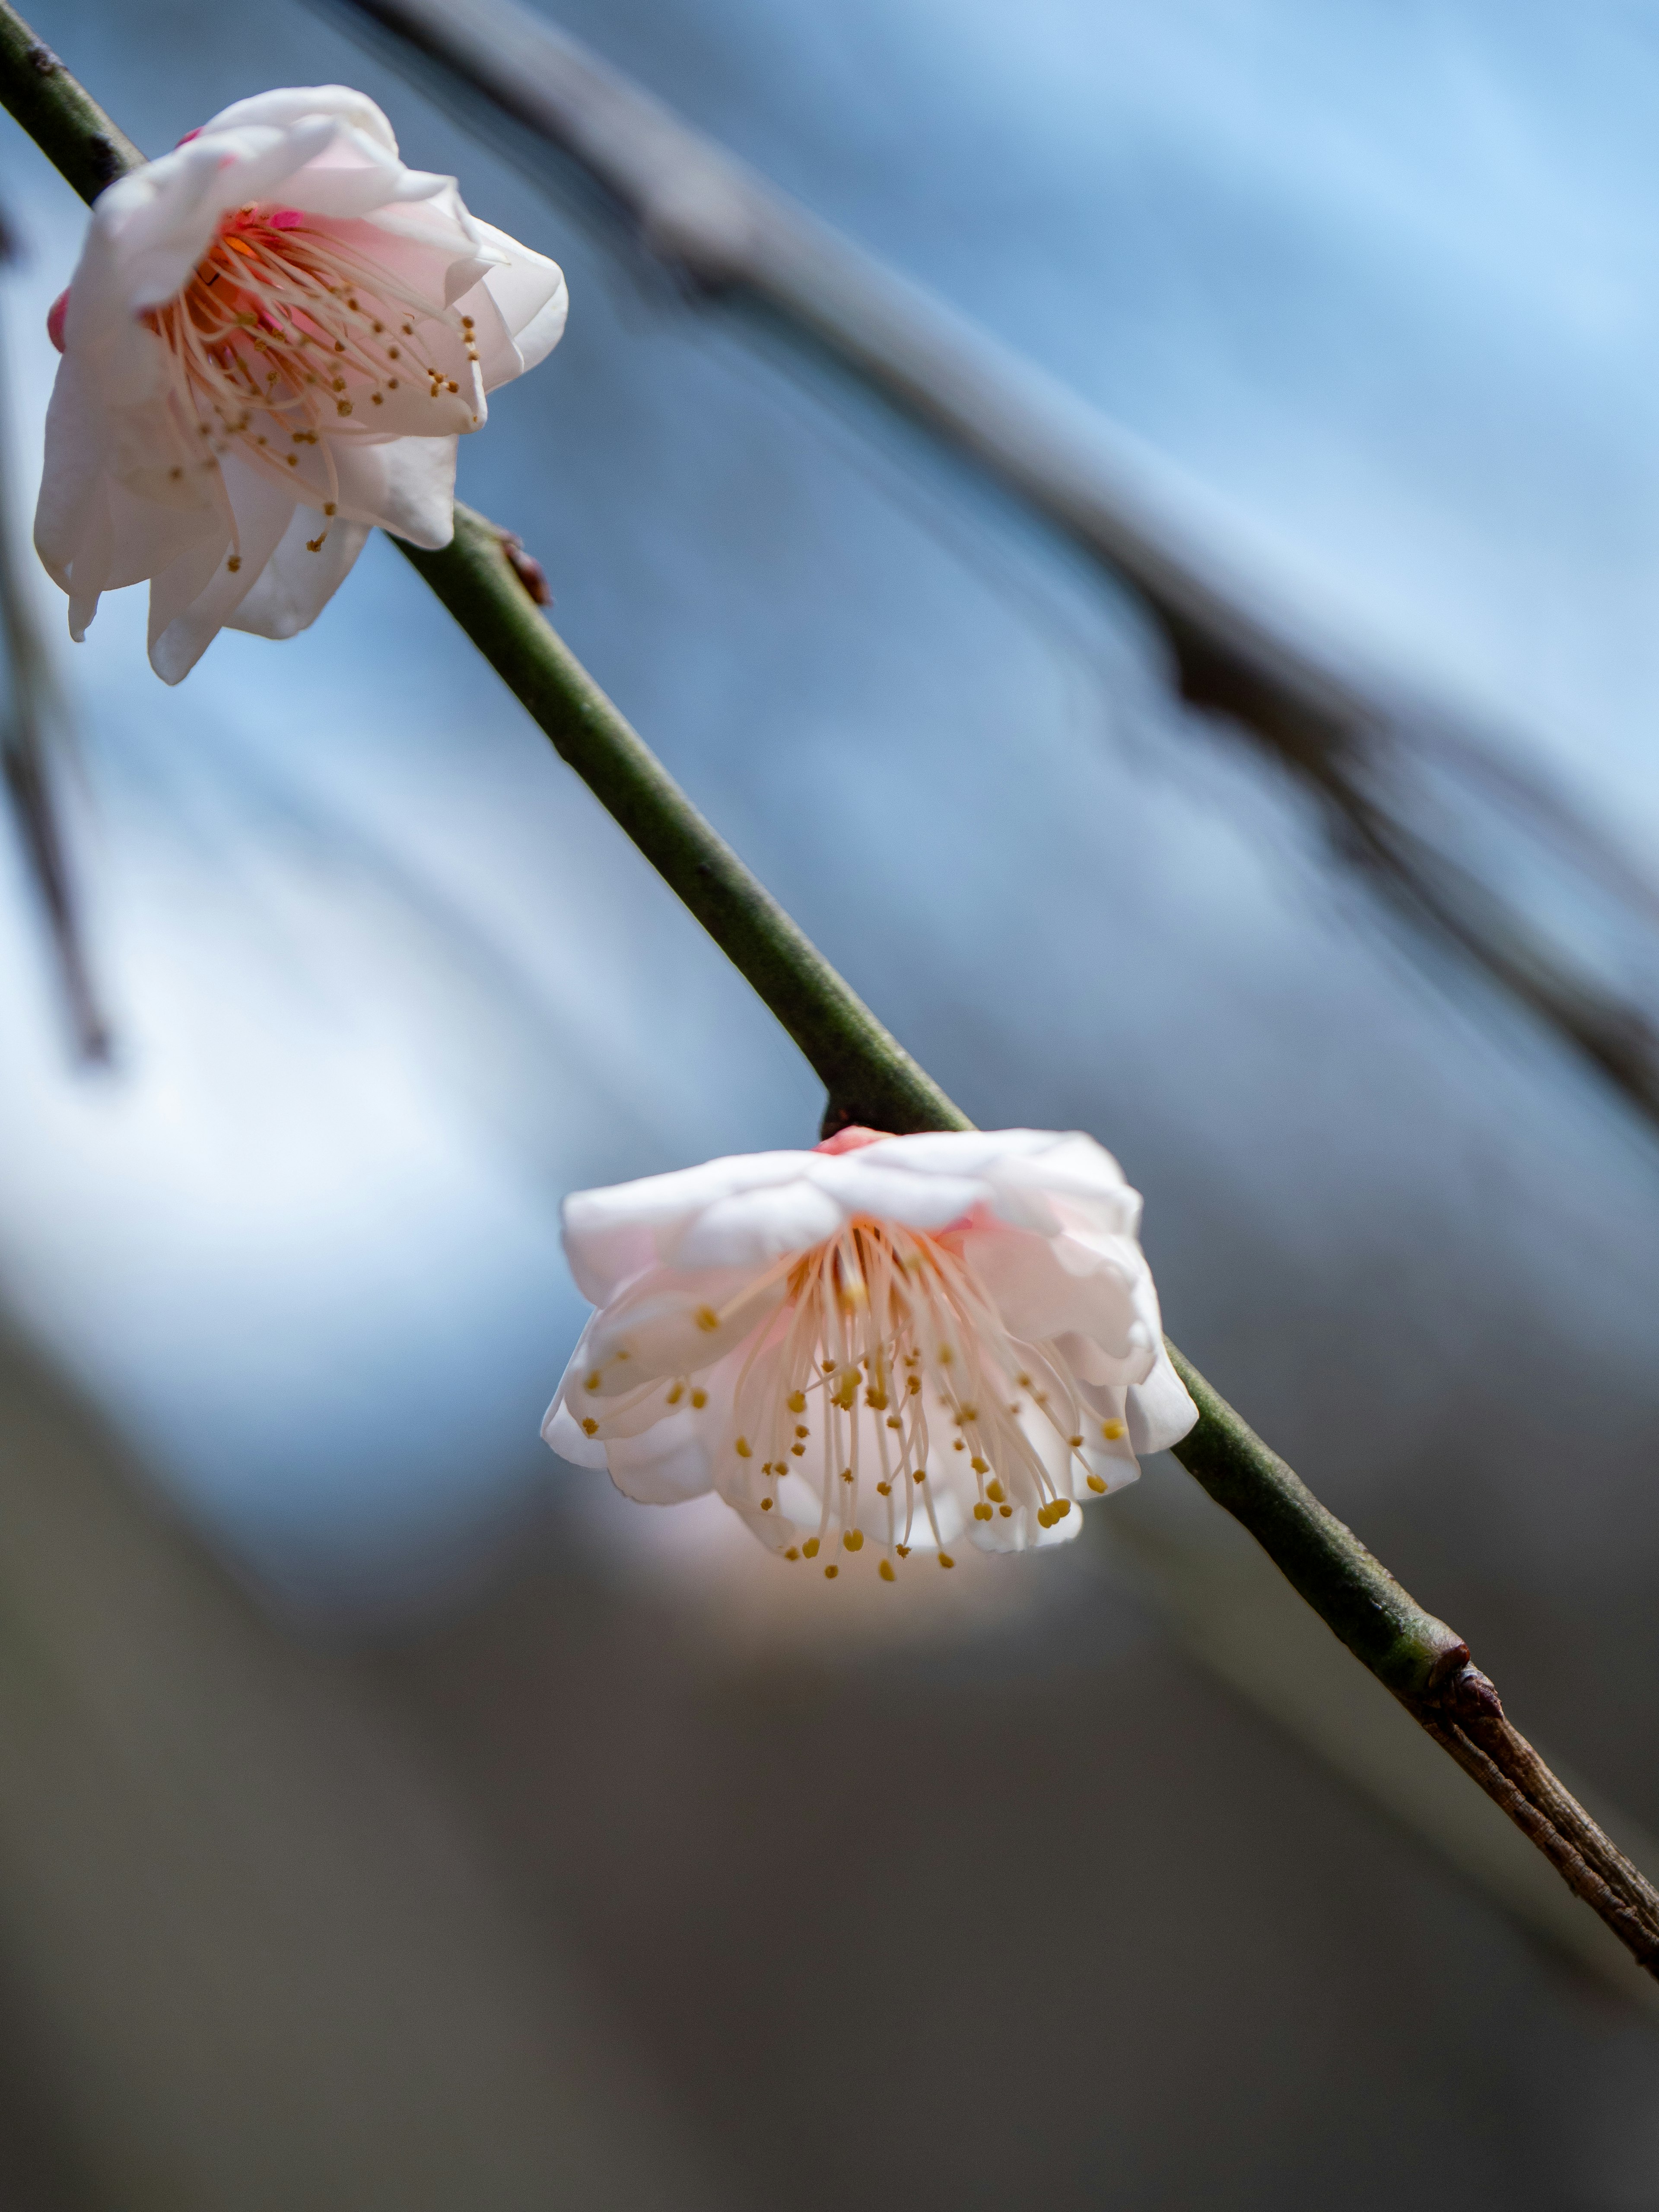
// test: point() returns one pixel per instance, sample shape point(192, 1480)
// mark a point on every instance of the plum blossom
point(273, 339)
point(888, 1342)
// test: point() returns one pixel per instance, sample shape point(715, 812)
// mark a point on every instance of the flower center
point(887, 1382)
point(284, 331)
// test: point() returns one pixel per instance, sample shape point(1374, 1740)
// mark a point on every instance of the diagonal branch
point(870, 1078)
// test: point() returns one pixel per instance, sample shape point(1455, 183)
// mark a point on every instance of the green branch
point(869, 1076)
point(870, 1079)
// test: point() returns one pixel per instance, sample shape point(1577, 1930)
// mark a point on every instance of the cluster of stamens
point(282, 333)
point(889, 1369)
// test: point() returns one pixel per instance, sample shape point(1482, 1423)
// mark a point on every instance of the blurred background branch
point(1376, 758)
point(33, 742)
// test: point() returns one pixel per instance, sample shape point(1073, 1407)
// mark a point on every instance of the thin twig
point(731, 236)
point(870, 1076)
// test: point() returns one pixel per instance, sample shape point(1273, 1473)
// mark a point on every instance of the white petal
point(661, 1322)
point(750, 1228)
point(78, 442)
point(298, 584)
point(405, 485)
point(892, 1189)
point(1038, 1297)
point(290, 105)
point(519, 308)
point(611, 1236)
point(1159, 1411)
point(192, 598)
point(562, 1432)
point(665, 1466)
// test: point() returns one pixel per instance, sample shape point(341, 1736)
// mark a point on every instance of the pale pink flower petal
point(273, 339)
point(886, 1345)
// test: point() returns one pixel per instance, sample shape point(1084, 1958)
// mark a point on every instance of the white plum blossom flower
point(273, 339)
point(889, 1341)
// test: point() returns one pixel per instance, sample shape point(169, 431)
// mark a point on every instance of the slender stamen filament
point(284, 331)
point(877, 1394)
point(883, 1316)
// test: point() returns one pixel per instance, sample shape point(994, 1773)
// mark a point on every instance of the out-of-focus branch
point(731, 235)
point(32, 712)
point(870, 1078)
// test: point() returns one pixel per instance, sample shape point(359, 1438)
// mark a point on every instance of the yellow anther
point(903, 1550)
point(797, 1402)
point(677, 1393)
point(707, 1318)
point(980, 1466)
point(699, 1400)
point(830, 1573)
point(1076, 1443)
point(1006, 1512)
point(792, 1553)
point(995, 1493)
point(1045, 1516)
point(945, 1560)
point(853, 1540)
point(766, 1505)
point(1096, 1483)
point(742, 1449)
point(235, 562)
point(798, 1451)
point(885, 1571)
point(878, 1399)
point(884, 1490)
point(913, 1384)
point(593, 1380)
point(315, 545)
point(342, 407)
point(828, 1365)
point(959, 1445)
point(330, 508)
point(1060, 1508)
point(801, 1431)
point(947, 1358)
point(1024, 1381)
point(846, 1475)
point(590, 1426)
point(810, 1547)
point(981, 1513)
point(918, 1474)
point(1111, 1431)
point(894, 1422)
